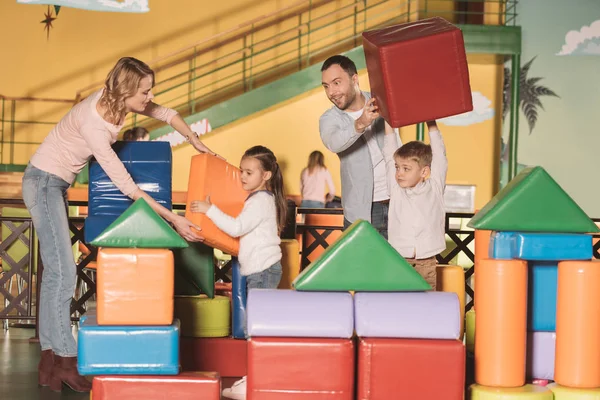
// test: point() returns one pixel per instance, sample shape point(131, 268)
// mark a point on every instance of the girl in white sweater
point(258, 226)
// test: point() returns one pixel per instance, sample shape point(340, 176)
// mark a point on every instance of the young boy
point(416, 224)
point(137, 134)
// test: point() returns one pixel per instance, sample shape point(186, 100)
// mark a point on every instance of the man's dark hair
point(344, 62)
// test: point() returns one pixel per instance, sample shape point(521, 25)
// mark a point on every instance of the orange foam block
point(501, 323)
point(577, 362)
point(214, 177)
point(135, 286)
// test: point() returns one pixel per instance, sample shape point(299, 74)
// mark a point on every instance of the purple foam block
point(289, 313)
point(540, 355)
point(417, 315)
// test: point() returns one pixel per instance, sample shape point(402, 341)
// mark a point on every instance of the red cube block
point(186, 386)
point(300, 368)
point(418, 71)
point(227, 356)
point(410, 369)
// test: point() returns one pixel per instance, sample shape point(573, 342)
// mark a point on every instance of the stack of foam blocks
point(390, 336)
point(214, 338)
point(130, 343)
point(537, 295)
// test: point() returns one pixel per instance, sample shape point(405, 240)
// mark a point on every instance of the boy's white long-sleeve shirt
point(416, 224)
point(256, 226)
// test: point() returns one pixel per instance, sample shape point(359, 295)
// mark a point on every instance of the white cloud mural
point(175, 138)
point(132, 6)
point(585, 41)
point(482, 111)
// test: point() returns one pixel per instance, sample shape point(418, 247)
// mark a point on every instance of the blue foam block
point(150, 166)
point(543, 280)
point(95, 225)
point(239, 296)
point(127, 350)
point(540, 246)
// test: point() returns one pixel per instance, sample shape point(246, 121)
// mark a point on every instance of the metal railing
point(253, 54)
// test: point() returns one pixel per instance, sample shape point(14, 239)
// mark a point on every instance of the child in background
point(313, 180)
point(258, 226)
point(137, 134)
point(416, 222)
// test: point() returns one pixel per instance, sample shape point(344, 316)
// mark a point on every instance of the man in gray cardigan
point(353, 129)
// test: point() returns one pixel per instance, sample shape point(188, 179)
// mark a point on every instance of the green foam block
point(533, 202)
point(140, 226)
point(195, 270)
point(360, 260)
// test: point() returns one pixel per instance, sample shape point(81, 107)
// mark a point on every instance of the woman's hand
point(184, 227)
point(199, 206)
point(201, 148)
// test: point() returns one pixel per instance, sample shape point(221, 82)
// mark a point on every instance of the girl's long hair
point(316, 159)
point(268, 162)
point(121, 83)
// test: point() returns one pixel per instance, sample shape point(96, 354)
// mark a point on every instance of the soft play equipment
point(225, 355)
point(422, 315)
point(295, 368)
point(195, 264)
point(360, 260)
point(526, 392)
point(451, 278)
point(185, 386)
point(214, 177)
point(410, 369)
point(127, 350)
point(289, 313)
point(470, 330)
point(540, 246)
point(578, 325)
point(203, 317)
point(501, 299)
point(134, 287)
point(533, 202)
point(568, 393)
point(139, 226)
point(238, 300)
point(540, 355)
point(543, 283)
point(148, 163)
point(290, 262)
point(399, 72)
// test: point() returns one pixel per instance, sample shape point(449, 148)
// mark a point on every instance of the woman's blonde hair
point(316, 159)
point(121, 83)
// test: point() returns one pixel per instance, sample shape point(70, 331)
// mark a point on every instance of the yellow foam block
point(567, 393)
point(470, 330)
point(203, 317)
point(290, 262)
point(533, 392)
point(451, 278)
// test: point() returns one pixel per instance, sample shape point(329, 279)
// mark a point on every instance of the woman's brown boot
point(65, 371)
point(45, 367)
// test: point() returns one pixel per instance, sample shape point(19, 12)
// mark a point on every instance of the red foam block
point(410, 369)
point(300, 368)
point(226, 356)
point(186, 386)
point(418, 71)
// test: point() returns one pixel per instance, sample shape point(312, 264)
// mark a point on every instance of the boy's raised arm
point(439, 162)
point(390, 141)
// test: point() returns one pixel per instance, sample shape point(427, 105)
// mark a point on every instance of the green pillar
point(421, 131)
point(513, 138)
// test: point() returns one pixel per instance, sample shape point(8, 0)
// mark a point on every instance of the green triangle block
point(140, 226)
point(195, 264)
point(533, 202)
point(361, 260)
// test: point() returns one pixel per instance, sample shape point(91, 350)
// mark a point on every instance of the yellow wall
point(291, 130)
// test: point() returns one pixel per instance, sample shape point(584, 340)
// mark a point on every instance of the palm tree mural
point(530, 92)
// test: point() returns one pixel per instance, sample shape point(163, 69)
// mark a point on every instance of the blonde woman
point(313, 180)
point(89, 129)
